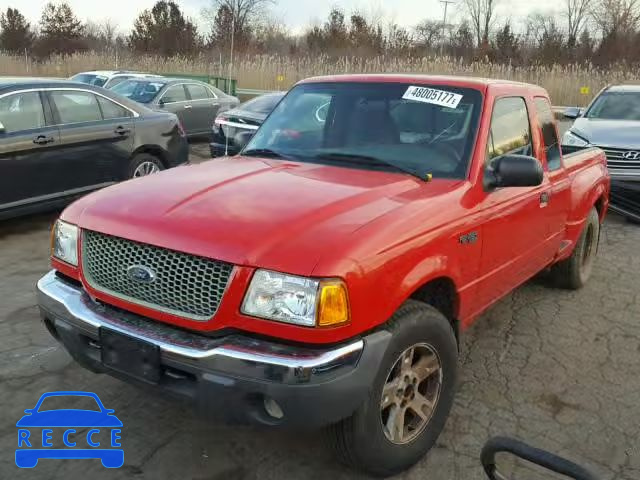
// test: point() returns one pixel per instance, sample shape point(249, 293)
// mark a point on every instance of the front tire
point(411, 397)
point(144, 164)
point(574, 272)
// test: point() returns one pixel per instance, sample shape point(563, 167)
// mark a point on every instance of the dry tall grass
point(264, 72)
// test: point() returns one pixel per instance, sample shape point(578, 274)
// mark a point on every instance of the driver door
point(514, 218)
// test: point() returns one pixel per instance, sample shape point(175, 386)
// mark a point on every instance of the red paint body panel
point(386, 234)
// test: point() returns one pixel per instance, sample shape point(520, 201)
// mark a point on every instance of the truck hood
point(250, 211)
point(609, 133)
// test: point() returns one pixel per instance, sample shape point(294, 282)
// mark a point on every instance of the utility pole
point(444, 23)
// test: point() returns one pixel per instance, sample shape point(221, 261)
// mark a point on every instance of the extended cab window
point(21, 111)
point(76, 107)
point(510, 131)
point(416, 129)
point(549, 133)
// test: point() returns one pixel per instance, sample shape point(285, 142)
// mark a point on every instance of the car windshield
point(90, 78)
point(421, 130)
point(263, 104)
point(142, 91)
point(66, 402)
point(616, 106)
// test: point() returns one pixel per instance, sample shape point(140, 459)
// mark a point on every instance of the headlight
point(297, 300)
point(574, 140)
point(64, 243)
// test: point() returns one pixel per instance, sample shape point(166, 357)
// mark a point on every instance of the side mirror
point(2, 129)
point(29, 410)
point(242, 139)
point(513, 171)
point(573, 112)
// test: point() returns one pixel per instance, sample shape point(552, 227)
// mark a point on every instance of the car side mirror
point(29, 410)
point(573, 112)
point(513, 171)
point(242, 139)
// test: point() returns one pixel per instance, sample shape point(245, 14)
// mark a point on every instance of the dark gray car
point(612, 122)
point(195, 103)
point(61, 139)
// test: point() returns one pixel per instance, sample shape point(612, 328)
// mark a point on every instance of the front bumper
point(230, 378)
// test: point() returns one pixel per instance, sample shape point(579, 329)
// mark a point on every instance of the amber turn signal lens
point(333, 307)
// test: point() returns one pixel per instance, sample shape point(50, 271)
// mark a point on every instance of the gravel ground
point(558, 369)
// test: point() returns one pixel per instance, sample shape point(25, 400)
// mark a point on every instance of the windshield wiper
point(360, 159)
point(266, 153)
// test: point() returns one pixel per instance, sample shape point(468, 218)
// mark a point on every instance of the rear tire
point(372, 439)
point(144, 164)
point(574, 272)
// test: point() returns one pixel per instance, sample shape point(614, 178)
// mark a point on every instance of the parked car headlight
point(297, 300)
point(574, 140)
point(64, 244)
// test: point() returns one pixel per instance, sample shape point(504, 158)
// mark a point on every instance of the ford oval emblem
point(141, 274)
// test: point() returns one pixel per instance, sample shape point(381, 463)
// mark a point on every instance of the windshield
point(90, 78)
point(420, 130)
point(65, 402)
point(263, 104)
point(616, 106)
point(142, 91)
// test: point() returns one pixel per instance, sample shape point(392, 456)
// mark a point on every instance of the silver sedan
point(195, 103)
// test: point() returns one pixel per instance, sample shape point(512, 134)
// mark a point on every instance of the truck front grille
point(173, 282)
point(616, 160)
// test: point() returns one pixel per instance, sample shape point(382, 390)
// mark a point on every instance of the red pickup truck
point(323, 276)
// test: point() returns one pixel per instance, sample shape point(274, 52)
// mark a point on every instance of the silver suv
point(612, 122)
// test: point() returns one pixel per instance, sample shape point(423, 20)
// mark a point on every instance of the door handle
point(122, 131)
point(187, 107)
point(544, 198)
point(42, 140)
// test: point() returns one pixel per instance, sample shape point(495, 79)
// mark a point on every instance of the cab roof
point(458, 81)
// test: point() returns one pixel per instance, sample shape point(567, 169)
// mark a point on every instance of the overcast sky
point(297, 14)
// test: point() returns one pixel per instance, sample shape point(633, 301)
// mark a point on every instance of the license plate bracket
point(130, 356)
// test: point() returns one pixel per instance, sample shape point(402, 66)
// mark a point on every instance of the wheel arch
point(154, 150)
point(441, 292)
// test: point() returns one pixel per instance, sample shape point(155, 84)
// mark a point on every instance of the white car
point(108, 78)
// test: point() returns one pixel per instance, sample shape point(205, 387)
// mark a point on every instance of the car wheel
point(574, 272)
point(144, 164)
point(411, 397)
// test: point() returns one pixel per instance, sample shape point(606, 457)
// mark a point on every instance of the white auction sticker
point(431, 95)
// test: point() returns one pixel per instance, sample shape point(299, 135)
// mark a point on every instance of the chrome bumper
point(237, 355)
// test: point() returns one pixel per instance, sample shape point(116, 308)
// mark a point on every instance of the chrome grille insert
point(617, 161)
point(182, 284)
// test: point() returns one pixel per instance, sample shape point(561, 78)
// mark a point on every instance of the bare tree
point(576, 13)
point(245, 13)
point(428, 33)
point(616, 16)
point(482, 16)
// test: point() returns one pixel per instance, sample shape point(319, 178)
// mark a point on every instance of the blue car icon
point(32, 446)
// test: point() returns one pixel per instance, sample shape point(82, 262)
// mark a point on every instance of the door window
point(76, 107)
point(549, 133)
point(174, 94)
point(198, 92)
point(510, 132)
point(111, 110)
point(21, 111)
